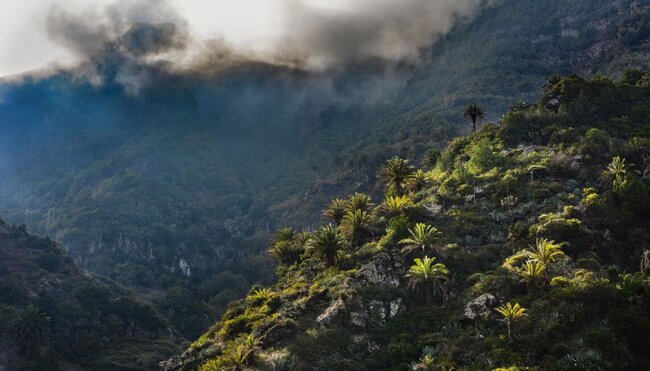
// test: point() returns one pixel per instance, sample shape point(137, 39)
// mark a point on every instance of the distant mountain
point(54, 315)
point(178, 185)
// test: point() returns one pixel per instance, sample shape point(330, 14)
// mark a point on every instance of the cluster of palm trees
point(353, 222)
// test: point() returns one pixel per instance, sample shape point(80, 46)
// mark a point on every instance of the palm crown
point(397, 174)
point(428, 274)
point(474, 112)
point(423, 237)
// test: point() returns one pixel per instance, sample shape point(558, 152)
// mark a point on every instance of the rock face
point(380, 271)
point(480, 307)
point(329, 315)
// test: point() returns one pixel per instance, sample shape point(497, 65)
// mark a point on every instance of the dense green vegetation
point(174, 193)
point(521, 247)
point(55, 316)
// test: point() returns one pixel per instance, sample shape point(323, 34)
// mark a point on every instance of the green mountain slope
point(54, 315)
point(547, 210)
point(174, 192)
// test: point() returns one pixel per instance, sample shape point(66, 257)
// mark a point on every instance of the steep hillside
point(54, 315)
point(173, 190)
point(502, 56)
point(523, 247)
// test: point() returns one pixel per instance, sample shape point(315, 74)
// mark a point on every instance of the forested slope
point(524, 245)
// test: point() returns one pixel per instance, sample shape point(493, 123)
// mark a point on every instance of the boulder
point(329, 315)
point(480, 307)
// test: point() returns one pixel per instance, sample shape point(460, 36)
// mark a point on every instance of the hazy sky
point(24, 43)
point(326, 30)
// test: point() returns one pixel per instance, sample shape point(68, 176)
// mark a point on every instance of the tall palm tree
point(359, 201)
point(396, 175)
point(327, 242)
point(531, 272)
point(395, 205)
point(474, 112)
point(356, 225)
point(425, 273)
point(423, 238)
point(30, 329)
point(512, 313)
point(614, 175)
point(335, 210)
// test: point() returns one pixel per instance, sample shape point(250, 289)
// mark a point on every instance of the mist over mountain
point(164, 159)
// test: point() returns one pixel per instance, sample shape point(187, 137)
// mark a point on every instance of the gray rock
point(327, 317)
point(480, 306)
point(379, 271)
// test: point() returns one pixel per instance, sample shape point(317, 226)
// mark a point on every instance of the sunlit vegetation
point(525, 243)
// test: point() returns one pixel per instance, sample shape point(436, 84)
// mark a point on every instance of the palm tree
point(551, 82)
point(396, 175)
point(531, 272)
point(359, 201)
point(474, 112)
point(423, 237)
point(420, 180)
point(30, 329)
point(546, 252)
point(425, 273)
point(327, 241)
point(356, 225)
point(395, 205)
point(512, 313)
point(614, 175)
point(284, 247)
point(335, 210)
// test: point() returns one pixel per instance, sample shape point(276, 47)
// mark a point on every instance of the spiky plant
point(424, 238)
point(285, 247)
point(546, 252)
point(531, 272)
point(30, 329)
point(395, 205)
point(420, 180)
point(512, 313)
point(335, 210)
point(475, 113)
point(356, 225)
point(427, 361)
point(396, 175)
point(238, 355)
point(429, 276)
point(614, 174)
point(327, 241)
point(359, 201)
point(551, 82)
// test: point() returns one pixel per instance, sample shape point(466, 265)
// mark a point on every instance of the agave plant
point(424, 238)
point(511, 313)
point(396, 175)
point(428, 275)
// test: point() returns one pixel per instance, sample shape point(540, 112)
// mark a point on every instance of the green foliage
point(397, 174)
point(30, 329)
point(429, 276)
point(424, 239)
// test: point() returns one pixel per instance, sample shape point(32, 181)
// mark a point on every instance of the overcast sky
point(327, 31)
point(24, 43)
